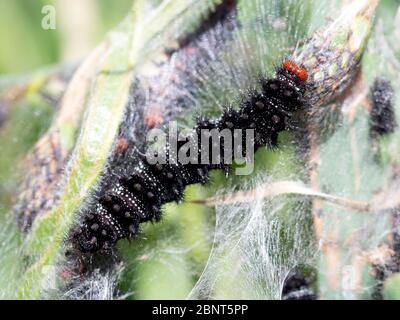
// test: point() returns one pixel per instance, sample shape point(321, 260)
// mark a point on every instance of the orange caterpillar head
point(300, 72)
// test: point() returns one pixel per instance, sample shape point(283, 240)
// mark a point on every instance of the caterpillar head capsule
point(294, 68)
point(288, 86)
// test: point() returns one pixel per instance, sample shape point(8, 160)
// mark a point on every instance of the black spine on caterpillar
point(138, 197)
point(382, 115)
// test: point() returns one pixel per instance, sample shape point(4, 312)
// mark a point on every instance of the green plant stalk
point(332, 58)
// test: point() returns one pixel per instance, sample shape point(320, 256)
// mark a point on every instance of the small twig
point(383, 201)
point(283, 188)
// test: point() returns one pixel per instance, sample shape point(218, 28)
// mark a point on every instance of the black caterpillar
point(382, 115)
point(138, 196)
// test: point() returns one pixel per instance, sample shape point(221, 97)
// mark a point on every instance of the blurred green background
point(80, 25)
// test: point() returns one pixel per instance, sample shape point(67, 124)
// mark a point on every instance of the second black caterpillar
point(138, 197)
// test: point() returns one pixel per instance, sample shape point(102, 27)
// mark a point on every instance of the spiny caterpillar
point(138, 196)
point(382, 115)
